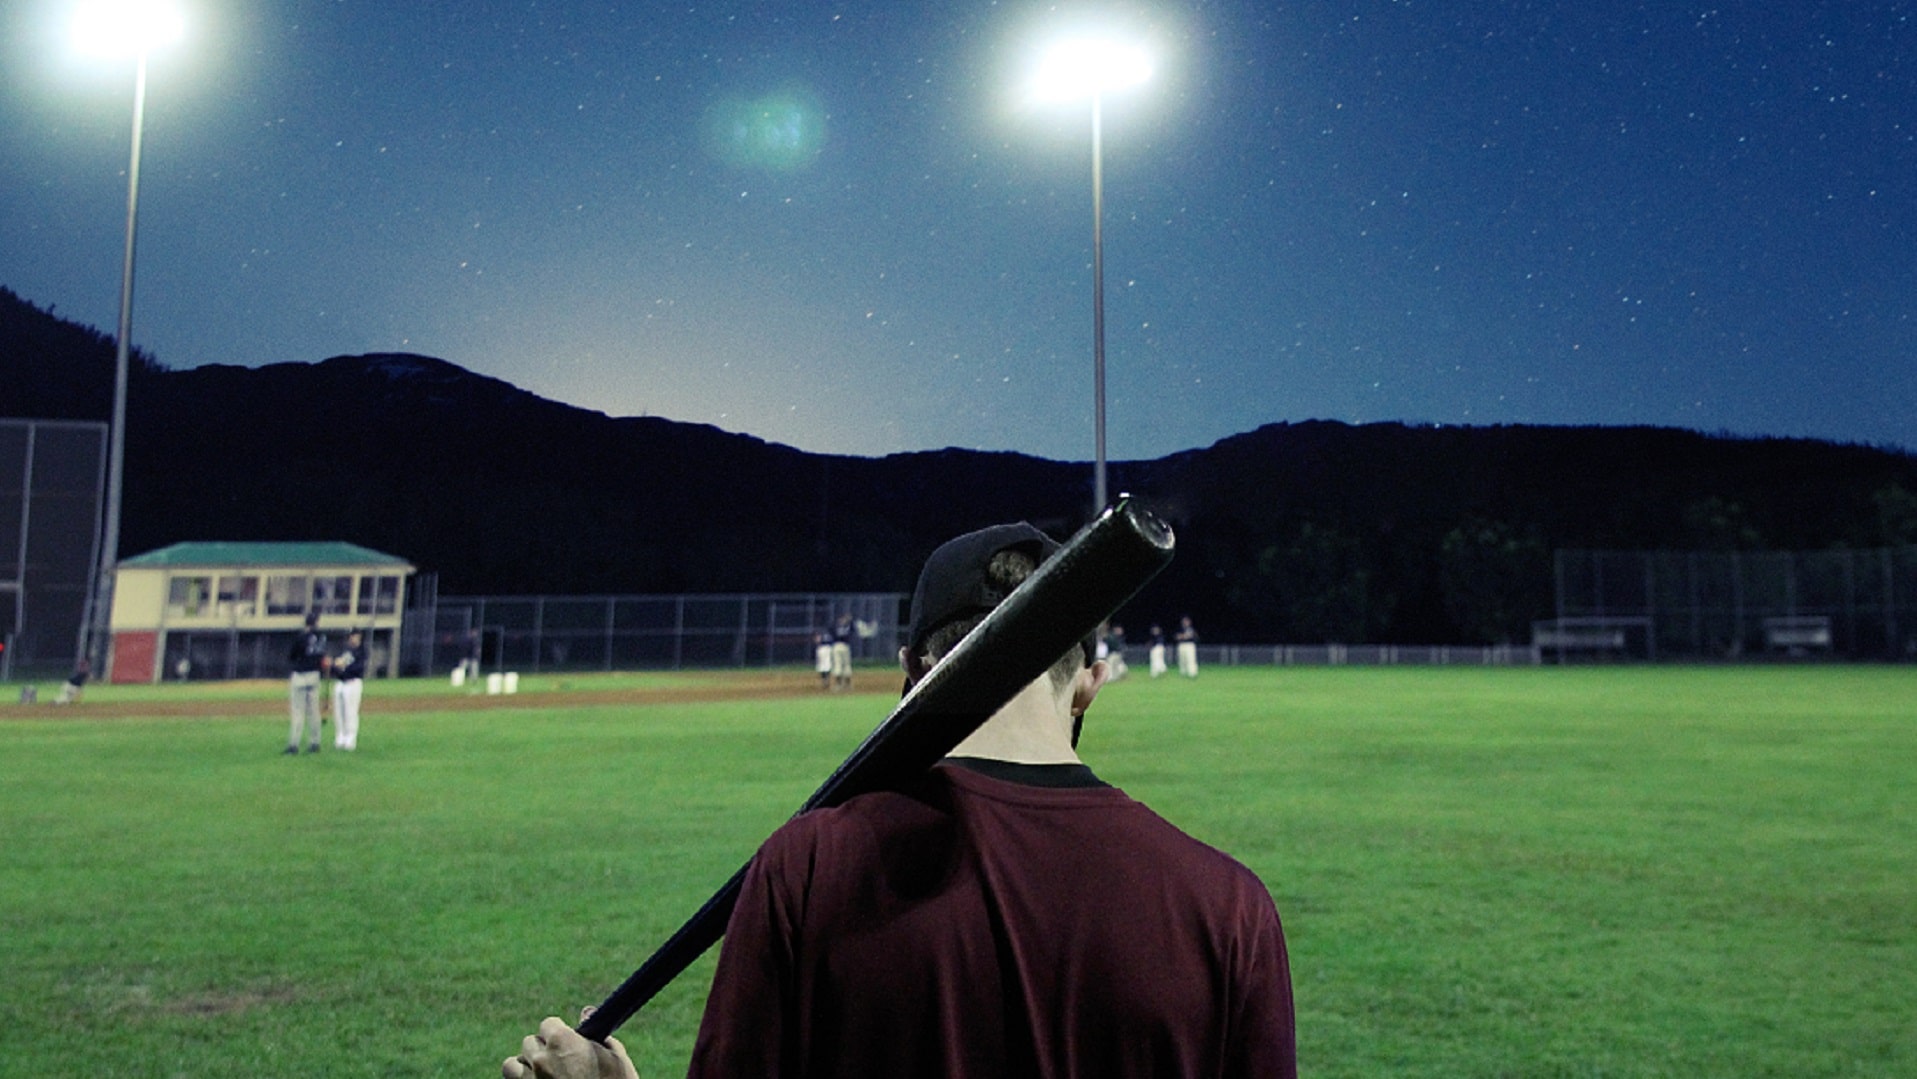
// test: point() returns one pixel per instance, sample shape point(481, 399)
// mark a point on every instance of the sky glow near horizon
point(839, 226)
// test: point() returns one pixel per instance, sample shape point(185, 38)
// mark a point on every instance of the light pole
point(115, 29)
point(1073, 71)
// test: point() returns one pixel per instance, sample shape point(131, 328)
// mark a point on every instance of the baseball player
point(1008, 913)
point(349, 672)
point(1187, 641)
point(822, 658)
point(308, 660)
point(842, 653)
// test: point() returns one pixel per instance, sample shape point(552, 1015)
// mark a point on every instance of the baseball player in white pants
point(350, 668)
point(1187, 649)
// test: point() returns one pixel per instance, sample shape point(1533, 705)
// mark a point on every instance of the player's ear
point(1086, 686)
point(914, 668)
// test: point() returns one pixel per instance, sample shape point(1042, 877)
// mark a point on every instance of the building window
point(239, 596)
point(333, 595)
point(378, 595)
point(288, 594)
point(187, 597)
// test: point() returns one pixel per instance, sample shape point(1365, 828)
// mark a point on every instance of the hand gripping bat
point(1073, 593)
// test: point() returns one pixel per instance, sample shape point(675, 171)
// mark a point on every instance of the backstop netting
point(1859, 604)
point(51, 476)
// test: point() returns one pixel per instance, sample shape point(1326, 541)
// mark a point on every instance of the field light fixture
point(126, 29)
point(1088, 68)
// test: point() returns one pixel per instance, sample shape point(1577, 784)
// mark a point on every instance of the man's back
point(982, 926)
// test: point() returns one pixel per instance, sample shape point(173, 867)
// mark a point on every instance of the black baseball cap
point(954, 585)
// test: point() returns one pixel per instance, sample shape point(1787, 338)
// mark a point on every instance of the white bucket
point(459, 676)
point(512, 681)
point(494, 683)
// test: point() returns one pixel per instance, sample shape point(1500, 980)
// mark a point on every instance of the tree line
point(1295, 532)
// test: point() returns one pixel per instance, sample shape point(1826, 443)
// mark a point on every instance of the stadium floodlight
point(1089, 68)
point(1080, 69)
point(126, 29)
point(115, 30)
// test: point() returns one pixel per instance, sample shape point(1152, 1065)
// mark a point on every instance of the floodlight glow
point(126, 28)
point(1089, 67)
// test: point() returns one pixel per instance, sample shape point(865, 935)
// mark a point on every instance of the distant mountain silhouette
point(1302, 531)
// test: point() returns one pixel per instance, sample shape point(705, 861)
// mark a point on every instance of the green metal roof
point(317, 553)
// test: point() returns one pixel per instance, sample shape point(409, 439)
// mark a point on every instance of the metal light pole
point(116, 438)
point(1073, 71)
point(110, 29)
point(1099, 501)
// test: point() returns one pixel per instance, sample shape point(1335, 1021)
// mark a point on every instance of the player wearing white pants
point(842, 653)
point(350, 668)
point(1157, 652)
point(70, 689)
point(1114, 648)
point(346, 713)
point(1187, 649)
point(822, 658)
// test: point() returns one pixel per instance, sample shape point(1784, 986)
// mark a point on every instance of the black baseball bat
point(1073, 592)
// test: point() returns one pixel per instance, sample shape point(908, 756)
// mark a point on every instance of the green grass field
point(1530, 872)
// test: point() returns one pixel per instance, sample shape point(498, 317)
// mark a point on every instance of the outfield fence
point(1361, 655)
point(692, 631)
point(1610, 606)
point(1854, 604)
point(646, 632)
point(1345, 655)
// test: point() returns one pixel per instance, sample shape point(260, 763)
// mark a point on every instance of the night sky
point(837, 226)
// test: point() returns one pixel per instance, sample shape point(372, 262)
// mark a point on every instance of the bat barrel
point(1071, 595)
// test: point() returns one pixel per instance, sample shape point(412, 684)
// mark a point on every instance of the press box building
point(230, 610)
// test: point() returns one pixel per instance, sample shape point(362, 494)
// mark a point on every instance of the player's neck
point(1034, 728)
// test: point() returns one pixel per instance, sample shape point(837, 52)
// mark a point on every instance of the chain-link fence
point(1665, 605)
point(639, 632)
point(1859, 604)
point(51, 474)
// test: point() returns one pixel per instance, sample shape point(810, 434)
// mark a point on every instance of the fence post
point(745, 630)
point(539, 633)
point(678, 632)
point(1891, 643)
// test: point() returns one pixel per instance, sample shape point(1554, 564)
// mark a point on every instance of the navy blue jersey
point(308, 652)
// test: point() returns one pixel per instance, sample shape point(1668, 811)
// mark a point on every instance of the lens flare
point(778, 132)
